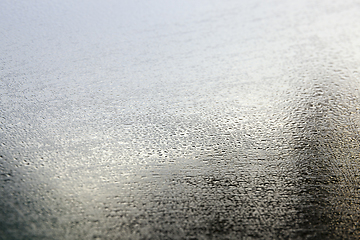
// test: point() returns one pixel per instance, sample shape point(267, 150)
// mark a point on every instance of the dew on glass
point(179, 119)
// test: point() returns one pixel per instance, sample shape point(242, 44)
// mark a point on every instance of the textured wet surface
point(179, 120)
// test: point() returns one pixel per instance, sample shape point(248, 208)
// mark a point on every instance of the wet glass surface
point(179, 119)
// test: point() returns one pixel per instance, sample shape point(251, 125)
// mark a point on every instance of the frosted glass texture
point(179, 119)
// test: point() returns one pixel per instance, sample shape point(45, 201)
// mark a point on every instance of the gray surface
point(179, 119)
